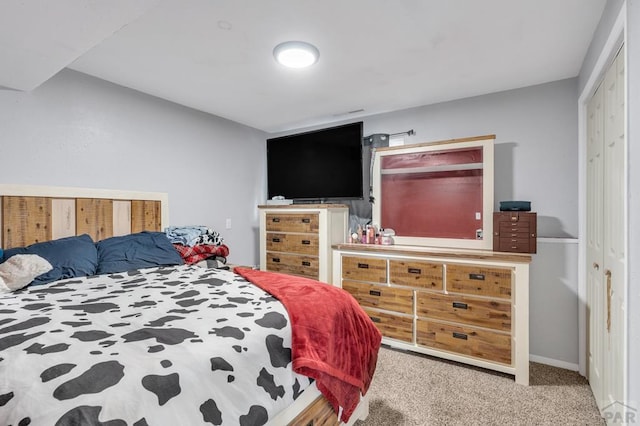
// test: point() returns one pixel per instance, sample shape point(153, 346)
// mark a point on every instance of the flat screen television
point(319, 165)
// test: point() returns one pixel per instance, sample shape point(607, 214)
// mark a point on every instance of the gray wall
point(536, 144)
point(76, 130)
point(536, 159)
point(553, 302)
point(536, 148)
point(608, 18)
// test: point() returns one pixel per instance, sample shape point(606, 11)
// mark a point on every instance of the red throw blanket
point(333, 339)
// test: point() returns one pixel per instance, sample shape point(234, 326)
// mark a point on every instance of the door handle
point(607, 273)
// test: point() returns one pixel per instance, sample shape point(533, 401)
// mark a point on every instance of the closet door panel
point(606, 237)
point(595, 289)
point(614, 188)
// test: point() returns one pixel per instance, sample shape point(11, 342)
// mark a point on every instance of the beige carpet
point(414, 389)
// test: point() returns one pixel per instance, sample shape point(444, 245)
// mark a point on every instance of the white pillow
point(20, 270)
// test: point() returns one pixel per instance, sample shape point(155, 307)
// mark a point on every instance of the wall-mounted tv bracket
point(379, 140)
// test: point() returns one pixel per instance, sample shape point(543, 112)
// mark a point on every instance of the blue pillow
point(70, 257)
point(136, 251)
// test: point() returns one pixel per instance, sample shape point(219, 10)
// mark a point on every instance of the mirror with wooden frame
point(436, 194)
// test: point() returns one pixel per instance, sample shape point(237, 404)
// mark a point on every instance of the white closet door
point(595, 243)
point(615, 231)
point(606, 238)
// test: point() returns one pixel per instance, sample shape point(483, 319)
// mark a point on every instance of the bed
point(145, 339)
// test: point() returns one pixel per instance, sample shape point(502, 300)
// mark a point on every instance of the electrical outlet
point(228, 224)
point(478, 216)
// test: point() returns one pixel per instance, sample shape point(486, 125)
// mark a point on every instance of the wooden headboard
point(31, 214)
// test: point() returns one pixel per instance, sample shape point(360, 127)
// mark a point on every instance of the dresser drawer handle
point(479, 277)
point(363, 265)
point(275, 240)
point(275, 219)
point(306, 220)
point(305, 263)
point(374, 292)
point(460, 336)
point(306, 242)
point(375, 319)
point(276, 259)
point(459, 305)
point(415, 271)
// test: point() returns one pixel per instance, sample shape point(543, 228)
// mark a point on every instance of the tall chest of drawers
point(467, 306)
point(296, 239)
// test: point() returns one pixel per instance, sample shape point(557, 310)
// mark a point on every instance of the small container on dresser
point(515, 231)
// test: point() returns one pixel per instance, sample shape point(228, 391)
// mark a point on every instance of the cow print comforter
point(161, 346)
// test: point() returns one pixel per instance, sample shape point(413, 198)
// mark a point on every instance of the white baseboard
point(554, 362)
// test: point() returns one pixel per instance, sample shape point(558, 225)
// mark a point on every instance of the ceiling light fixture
point(296, 54)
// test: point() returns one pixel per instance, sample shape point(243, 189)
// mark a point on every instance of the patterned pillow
point(20, 270)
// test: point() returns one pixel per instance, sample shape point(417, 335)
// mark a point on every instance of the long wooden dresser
point(296, 239)
point(469, 306)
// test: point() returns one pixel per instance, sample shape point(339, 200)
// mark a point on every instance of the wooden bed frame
point(32, 214)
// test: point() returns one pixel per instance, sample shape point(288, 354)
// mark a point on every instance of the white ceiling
point(375, 55)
